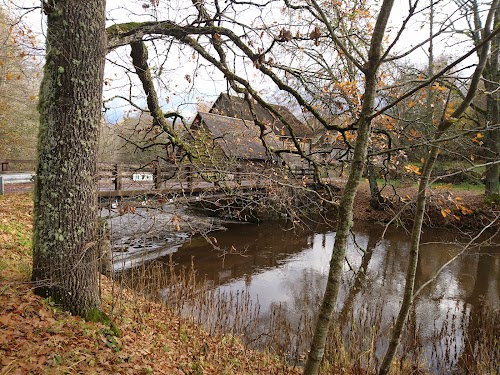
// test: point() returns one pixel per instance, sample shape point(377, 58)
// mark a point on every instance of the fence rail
point(7, 164)
point(17, 178)
point(120, 179)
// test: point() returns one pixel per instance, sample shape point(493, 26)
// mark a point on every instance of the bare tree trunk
point(430, 102)
point(376, 199)
point(444, 125)
point(412, 266)
point(345, 212)
point(492, 136)
point(65, 249)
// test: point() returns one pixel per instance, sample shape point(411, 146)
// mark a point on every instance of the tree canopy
point(340, 64)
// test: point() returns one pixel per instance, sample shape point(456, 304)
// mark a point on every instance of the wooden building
point(232, 143)
point(236, 107)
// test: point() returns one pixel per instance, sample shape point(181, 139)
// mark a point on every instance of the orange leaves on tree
point(450, 108)
point(414, 134)
point(348, 88)
point(315, 34)
point(388, 122)
point(285, 34)
point(410, 168)
point(478, 139)
point(438, 87)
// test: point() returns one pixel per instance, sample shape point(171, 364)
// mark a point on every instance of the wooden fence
point(122, 179)
point(17, 165)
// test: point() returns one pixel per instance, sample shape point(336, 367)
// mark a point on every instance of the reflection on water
point(288, 268)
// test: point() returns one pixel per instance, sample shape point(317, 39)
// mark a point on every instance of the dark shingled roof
point(236, 137)
point(236, 107)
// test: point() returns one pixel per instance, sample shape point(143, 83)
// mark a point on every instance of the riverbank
point(447, 206)
point(38, 338)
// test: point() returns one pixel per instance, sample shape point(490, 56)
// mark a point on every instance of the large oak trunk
point(65, 251)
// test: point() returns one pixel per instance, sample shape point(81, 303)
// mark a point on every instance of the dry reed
point(466, 343)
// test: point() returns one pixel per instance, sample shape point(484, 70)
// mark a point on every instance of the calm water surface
point(288, 268)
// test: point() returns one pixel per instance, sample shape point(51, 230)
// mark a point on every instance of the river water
point(283, 270)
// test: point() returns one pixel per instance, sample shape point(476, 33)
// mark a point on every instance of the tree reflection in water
point(283, 272)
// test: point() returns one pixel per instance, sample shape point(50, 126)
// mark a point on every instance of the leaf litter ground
point(36, 337)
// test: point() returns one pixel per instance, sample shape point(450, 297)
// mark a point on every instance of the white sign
point(142, 177)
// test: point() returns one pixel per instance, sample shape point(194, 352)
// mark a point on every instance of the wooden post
point(117, 174)
point(157, 176)
point(238, 175)
point(189, 176)
point(2, 191)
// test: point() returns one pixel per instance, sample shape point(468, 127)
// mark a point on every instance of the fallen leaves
point(37, 338)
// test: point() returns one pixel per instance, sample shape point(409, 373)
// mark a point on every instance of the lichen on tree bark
point(65, 251)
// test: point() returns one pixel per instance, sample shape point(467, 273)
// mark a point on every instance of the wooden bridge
point(120, 180)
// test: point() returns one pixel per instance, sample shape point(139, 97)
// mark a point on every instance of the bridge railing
point(129, 176)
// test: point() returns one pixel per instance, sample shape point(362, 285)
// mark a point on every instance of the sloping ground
point(37, 338)
point(447, 207)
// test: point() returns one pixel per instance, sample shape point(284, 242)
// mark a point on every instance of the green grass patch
point(459, 187)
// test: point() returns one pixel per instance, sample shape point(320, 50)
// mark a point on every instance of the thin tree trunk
point(345, 212)
point(444, 125)
point(492, 148)
point(412, 266)
point(65, 251)
point(376, 199)
point(492, 136)
point(431, 100)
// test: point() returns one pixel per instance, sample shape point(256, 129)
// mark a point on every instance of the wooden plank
point(20, 161)
point(150, 192)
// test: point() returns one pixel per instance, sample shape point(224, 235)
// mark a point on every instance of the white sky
point(177, 93)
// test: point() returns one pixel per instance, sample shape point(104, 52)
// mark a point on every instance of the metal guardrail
point(15, 178)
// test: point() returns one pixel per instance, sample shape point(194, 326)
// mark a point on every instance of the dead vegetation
point(36, 337)
point(151, 308)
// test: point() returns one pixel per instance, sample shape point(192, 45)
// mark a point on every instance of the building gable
point(236, 107)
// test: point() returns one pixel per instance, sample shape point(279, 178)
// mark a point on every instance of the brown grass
point(37, 338)
point(174, 323)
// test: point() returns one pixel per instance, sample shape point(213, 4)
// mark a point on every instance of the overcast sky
point(185, 79)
